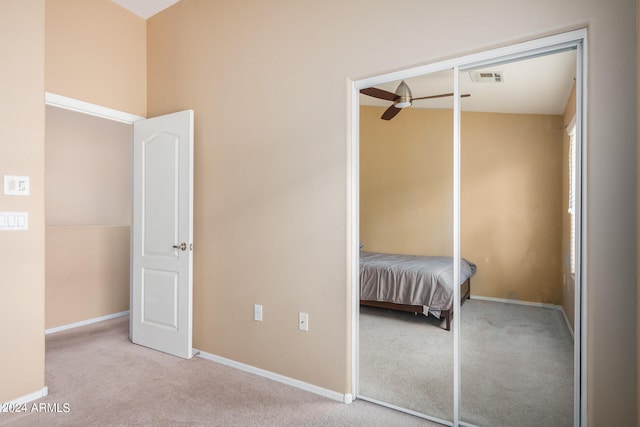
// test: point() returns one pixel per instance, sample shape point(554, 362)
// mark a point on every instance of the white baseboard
point(5, 406)
point(333, 395)
point(85, 322)
point(566, 320)
point(516, 301)
point(529, 303)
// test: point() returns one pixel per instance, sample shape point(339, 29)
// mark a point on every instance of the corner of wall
point(22, 251)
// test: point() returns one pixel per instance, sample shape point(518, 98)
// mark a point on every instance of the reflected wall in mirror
point(516, 339)
point(406, 196)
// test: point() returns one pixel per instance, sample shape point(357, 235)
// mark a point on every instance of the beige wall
point(510, 219)
point(511, 187)
point(511, 183)
point(406, 182)
point(87, 273)
point(88, 214)
point(22, 148)
point(270, 177)
point(276, 191)
point(272, 128)
point(88, 169)
point(96, 52)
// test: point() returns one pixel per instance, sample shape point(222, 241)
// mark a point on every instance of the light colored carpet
point(406, 360)
point(516, 364)
point(107, 381)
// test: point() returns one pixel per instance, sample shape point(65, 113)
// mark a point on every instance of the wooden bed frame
point(465, 293)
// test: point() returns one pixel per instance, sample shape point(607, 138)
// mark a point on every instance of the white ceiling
point(540, 85)
point(145, 8)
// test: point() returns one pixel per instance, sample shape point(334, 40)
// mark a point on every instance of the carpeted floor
point(96, 377)
point(516, 364)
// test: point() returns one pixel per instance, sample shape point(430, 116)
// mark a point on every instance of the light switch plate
point(16, 185)
point(10, 221)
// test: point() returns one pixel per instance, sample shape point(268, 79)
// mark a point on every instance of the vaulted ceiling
point(145, 8)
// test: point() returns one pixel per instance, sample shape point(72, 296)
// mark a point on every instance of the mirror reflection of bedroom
point(516, 243)
point(406, 210)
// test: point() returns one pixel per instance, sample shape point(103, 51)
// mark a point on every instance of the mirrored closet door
point(406, 233)
point(516, 219)
point(486, 178)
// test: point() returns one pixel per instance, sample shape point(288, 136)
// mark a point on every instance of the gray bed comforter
point(411, 279)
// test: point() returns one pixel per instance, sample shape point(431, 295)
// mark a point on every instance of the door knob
point(182, 246)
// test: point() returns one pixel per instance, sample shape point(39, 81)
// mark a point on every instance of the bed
point(419, 284)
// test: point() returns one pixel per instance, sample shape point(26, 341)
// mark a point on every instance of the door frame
point(72, 104)
point(576, 39)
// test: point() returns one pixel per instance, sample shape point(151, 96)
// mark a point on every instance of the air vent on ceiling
point(486, 76)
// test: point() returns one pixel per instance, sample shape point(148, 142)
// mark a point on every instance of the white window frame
point(571, 131)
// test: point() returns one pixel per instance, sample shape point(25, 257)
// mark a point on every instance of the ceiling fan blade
point(442, 95)
point(379, 93)
point(390, 113)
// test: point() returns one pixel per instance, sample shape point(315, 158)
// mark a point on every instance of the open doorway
point(120, 222)
point(455, 410)
point(88, 217)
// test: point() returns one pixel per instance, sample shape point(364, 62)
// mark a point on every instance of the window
point(571, 130)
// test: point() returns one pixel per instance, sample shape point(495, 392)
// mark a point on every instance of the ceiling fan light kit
point(402, 98)
point(404, 95)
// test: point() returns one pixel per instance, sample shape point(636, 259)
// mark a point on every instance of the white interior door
point(162, 233)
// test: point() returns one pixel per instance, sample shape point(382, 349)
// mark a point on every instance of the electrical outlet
point(16, 185)
point(257, 312)
point(303, 321)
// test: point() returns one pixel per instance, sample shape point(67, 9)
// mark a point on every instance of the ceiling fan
point(402, 98)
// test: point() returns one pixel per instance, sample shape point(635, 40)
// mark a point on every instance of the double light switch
point(14, 221)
